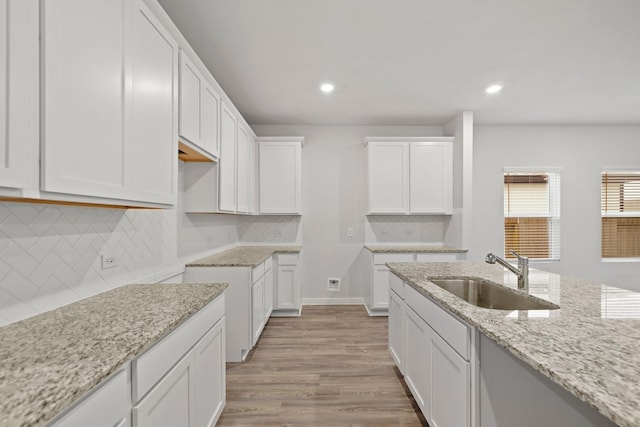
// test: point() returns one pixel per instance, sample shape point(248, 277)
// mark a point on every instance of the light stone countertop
point(48, 361)
point(243, 256)
point(418, 249)
point(590, 346)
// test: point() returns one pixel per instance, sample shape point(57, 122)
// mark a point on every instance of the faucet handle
point(523, 259)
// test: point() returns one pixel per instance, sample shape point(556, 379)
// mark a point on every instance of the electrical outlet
point(333, 284)
point(349, 231)
point(108, 261)
point(210, 239)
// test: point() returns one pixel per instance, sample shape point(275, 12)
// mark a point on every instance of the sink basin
point(482, 293)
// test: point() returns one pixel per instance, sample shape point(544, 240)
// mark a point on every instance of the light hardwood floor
point(328, 367)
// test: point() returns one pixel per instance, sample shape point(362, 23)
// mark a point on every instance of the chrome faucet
point(522, 271)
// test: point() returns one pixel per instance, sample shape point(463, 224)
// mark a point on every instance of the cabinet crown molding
point(368, 139)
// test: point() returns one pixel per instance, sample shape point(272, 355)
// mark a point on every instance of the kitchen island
point(588, 347)
point(50, 361)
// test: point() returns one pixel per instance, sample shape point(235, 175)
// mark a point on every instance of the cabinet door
point(227, 164)
point(388, 177)
point(417, 359)
point(280, 172)
point(19, 93)
point(190, 91)
point(167, 404)
point(209, 377)
point(396, 329)
point(268, 294)
point(431, 177)
point(83, 96)
point(380, 287)
point(450, 385)
point(257, 309)
point(288, 289)
point(209, 121)
point(152, 140)
point(244, 140)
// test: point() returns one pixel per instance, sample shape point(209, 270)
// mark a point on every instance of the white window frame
point(555, 173)
point(616, 170)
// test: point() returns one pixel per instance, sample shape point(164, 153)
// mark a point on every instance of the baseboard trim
point(332, 301)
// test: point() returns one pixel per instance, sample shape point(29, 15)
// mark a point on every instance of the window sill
point(620, 260)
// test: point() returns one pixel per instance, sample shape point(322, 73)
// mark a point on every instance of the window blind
point(532, 214)
point(620, 198)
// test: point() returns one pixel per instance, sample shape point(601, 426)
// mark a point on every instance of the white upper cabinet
point(190, 102)
point(280, 175)
point(151, 146)
point(388, 177)
point(209, 124)
point(410, 175)
point(243, 167)
point(19, 96)
point(228, 145)
point(199, 110)
point(83, 94)
point(109, 102)
point(431, 178)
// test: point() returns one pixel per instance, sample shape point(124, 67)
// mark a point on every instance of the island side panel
point(513, 394)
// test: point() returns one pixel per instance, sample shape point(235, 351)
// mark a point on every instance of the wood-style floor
point(328, 367)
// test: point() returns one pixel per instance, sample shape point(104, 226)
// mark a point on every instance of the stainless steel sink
point(482, 293)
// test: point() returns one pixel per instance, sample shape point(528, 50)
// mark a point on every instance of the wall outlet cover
point(333, 284)
point(108, 261)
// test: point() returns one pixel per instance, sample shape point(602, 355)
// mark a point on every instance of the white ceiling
point(420, 62)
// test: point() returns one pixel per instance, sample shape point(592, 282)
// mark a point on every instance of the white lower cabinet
point(268, 292)
point(450, 385)
point(192, 392)
point(287, 285)
point(180, 381)
point(210, 379)
point(248, 297)
point(257, 309)
point(417, 369)
point(376, 295)
point(437, 371)
point(167, 404)
point(396, 329)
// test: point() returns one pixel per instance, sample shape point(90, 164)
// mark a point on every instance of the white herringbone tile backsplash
point(51, 255)
point(405, 229)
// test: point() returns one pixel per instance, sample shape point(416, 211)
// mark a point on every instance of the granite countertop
point(590, 346)
point(419, 249)
point(50, 360)
point(243, 256)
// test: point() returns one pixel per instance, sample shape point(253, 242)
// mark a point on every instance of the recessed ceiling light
point(494, 89)
point(326, 87)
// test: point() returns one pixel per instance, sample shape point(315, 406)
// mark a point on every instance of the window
point(620, 197)
point(532, 214)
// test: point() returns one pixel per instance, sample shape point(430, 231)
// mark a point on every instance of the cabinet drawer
point(437, 257)
point(268, 264)
point(107, 405)
point(287, 259)
point(384, 258)
point(257, 273)
point(151, 365)
point(397, 285)
point(453, 331)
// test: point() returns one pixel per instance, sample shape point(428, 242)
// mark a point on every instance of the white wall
point(581, 152)
point(333, 189)
point(50, 255)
